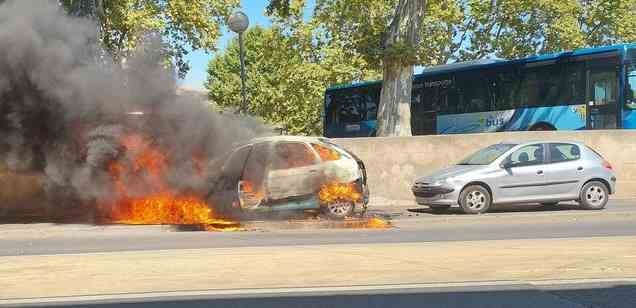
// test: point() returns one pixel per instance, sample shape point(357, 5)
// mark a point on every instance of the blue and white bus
point(592, 88)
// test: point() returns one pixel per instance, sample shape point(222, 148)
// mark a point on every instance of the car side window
point(293, 155)
point(560, 152)
point(527, 156)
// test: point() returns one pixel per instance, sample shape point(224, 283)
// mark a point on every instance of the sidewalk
point(316, 266)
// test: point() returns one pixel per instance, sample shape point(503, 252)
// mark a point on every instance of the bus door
point(602, 94)
point(427, 98)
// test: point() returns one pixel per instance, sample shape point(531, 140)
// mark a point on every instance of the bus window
point(573, 89)
point(352, 105)
point(507, 84)
point(603, 87)
point(350, 110)
point(540, 86)
point(473, 92)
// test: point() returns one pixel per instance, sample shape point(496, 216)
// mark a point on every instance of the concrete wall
point(394, 162)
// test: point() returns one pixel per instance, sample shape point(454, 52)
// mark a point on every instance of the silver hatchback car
point(508, 173)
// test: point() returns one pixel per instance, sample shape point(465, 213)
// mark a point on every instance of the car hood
point(451, 171)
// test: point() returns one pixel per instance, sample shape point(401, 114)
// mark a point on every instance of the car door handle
point(539, 172)
point(579, 168)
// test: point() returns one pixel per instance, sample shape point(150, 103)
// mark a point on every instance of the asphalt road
point(409, 226)
point(415, 225)
point(614, 294)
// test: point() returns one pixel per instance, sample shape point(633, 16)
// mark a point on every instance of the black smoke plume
point(64, 105)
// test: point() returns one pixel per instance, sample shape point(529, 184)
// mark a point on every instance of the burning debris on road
point(118, 142)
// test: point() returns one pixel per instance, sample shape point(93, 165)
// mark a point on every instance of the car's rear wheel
point(475, 199)
point(338, 209)
point(594, 195)
point(439, 208)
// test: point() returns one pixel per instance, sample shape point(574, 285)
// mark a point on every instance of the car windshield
point(486, 155)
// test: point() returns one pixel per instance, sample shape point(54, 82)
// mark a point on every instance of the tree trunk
point(400, 43)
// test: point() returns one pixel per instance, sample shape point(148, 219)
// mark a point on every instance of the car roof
point(287, 138)
point(516, 143)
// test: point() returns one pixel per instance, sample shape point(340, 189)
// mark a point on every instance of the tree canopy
point(286, 80)
point(181, 25)
point(290, 64)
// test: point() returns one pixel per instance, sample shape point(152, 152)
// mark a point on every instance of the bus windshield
point(346, 109)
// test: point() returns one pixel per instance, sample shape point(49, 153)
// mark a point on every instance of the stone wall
point(394, 162)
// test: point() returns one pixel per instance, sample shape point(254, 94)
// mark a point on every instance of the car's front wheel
point(475, 199)
point(338, 209)
point(594, 195)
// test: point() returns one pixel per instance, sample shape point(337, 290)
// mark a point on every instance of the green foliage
point(516, 28)
point(182, 24)
point(464, 30)
point(290, 64)
point(286, 78)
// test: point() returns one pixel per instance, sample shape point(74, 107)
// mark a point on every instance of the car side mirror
point(507, 164)
point(630, 105)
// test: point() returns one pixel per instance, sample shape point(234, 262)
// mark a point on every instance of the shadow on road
point(518, 296)
point(561, 207)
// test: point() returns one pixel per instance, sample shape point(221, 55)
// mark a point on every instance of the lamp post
point(238, 22)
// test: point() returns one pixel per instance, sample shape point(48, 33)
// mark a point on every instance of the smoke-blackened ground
point(65, 108)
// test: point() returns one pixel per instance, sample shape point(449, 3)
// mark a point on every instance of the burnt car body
point(285, 173)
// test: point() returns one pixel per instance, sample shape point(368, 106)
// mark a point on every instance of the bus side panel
point(477, 122)
point(560, 117)
point(571, 117)
point(349, 130)
point(629, 118)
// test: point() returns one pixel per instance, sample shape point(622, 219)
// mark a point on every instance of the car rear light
point(607, 165)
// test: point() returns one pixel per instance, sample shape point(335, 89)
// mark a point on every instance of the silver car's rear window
point(487, 155)
point(595, 152)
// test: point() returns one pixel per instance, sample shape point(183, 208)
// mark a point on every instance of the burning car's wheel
point(338, 209)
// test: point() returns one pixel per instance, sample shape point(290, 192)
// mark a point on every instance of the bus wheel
point(541, 126)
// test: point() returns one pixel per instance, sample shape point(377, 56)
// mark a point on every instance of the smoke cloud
point(64, 105)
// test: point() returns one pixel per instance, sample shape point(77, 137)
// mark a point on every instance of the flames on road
point(142, 196)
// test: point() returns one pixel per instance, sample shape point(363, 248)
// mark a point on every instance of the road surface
point(521, 257)
point(488, 295)
point(417, 225)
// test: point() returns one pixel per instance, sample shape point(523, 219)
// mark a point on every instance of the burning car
point(291, 173)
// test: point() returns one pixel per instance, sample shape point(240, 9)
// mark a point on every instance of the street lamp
point(238, 22)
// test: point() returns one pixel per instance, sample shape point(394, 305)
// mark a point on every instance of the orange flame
point(377, 223)
point(250, 193)
point(335, 191)
point(366, 223)
point(165, 208)
point(326, 154)
point(146, 171)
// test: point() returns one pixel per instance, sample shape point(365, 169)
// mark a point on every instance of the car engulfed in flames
point(265, 175)
point(286, 173)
